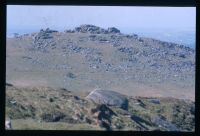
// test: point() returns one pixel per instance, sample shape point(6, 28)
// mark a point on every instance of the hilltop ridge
point(90, 57)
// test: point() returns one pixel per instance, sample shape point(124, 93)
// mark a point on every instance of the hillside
point(90, 57)
point(49, 75)
point(44, 108)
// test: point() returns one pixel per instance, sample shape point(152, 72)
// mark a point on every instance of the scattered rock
point(155, 101)
point(192, 110)
point(141, 40)
point(87, 120)
point(9, 84)
point(52, 117)
point(26, 57)
point(69, 31)
point(92, 37)
point(16, 35)
point(182, 56)
point(51, 100)
point(127, 50)
point(164, 124)
point(13, 102)
point(70, 75)
point(76, 98)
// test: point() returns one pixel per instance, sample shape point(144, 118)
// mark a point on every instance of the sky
point(125, 18)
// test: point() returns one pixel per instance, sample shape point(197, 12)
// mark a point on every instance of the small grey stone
point(155, 101)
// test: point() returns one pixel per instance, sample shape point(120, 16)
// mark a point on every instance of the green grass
point(30, 124)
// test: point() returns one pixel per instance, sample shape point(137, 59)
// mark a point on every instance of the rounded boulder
point(109, 98)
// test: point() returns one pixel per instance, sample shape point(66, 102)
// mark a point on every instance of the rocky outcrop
point(44, 39)
point(113, 30)
point(91, 29)
point(45, 34)
point(110, 98)
point(86, 28)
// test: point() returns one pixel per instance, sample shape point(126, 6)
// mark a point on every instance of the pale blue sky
point(124, 18)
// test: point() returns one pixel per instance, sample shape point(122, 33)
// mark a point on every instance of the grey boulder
point(109, 98)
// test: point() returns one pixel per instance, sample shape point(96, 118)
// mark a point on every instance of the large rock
point(109, 98)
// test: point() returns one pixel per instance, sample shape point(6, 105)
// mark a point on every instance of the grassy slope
point(34, 108)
